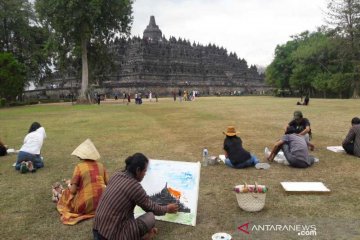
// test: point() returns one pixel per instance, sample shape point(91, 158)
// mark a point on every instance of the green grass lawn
point(179, 131)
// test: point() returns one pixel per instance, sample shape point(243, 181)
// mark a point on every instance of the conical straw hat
point(87, 150)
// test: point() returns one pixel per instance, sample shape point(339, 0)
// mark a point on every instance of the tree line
point(325, 62)
point(37, 37)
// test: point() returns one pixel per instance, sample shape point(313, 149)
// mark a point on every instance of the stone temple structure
point(162, 66)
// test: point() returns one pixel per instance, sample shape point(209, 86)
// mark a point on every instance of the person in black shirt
point(306, 100)
point(236, 155)
point(300, 125)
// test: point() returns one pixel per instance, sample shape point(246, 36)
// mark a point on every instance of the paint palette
point(221, 236)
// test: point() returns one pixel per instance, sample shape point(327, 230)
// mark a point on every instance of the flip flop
point(262, 166)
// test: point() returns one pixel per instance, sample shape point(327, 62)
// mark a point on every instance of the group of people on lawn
point(90, 192)
point(295, 144)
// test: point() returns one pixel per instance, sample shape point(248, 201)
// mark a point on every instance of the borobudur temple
point(163, 66)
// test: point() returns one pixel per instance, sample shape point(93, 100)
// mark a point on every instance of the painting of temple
point(168, 195)
point(173, 182)
point(165, 65)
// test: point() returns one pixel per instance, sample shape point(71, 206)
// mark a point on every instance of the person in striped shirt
point(114, 217)
point(351, 143)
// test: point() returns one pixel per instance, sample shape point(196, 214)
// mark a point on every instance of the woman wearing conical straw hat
point(89, 180)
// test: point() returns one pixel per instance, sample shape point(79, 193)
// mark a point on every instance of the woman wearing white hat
point(89, 180)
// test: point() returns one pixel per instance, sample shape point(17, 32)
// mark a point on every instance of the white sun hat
point(87, 150)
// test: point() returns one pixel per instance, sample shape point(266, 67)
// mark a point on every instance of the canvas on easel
point(173, 181)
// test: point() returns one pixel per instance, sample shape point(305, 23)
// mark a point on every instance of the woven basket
point(251, 201)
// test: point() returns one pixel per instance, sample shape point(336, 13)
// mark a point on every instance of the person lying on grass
point(80, 200)
point(114, 217)
point(295, 148)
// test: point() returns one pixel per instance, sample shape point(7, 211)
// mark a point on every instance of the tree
point(77, 24)
point(321, 83)
point(316, 63)
point(12, 77)
point(345, 16)
point(15, 16)
point(278, 73)
point(340, 82)
point(21, 36)
point(316, 60)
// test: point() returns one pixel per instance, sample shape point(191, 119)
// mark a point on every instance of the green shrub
point(16, 104)
point(2, 102)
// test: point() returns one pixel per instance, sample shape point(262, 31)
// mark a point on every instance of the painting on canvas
point(173, 182)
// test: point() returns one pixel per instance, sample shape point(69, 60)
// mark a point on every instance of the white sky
point(251, 28)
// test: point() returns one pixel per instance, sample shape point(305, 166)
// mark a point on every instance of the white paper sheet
point(304, 187)
point(335, 148)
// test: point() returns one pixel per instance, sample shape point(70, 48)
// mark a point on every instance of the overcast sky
point(251, 28)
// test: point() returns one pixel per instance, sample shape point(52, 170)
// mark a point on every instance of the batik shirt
point(114, 217)
point(353, 136)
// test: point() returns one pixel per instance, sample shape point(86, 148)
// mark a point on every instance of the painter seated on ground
point(79, 201)
point(351, 143)
point(31, 149)
point(236, 155)
point(300, 125)
point(295, 148)
point(121, 195)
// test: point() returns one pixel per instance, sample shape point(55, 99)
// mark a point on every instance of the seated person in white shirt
point(30, 150)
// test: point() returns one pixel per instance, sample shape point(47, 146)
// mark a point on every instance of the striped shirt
point(114, 217)
point(353, 136)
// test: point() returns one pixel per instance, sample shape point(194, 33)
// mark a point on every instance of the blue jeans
point(248, 163)
point(34, 158)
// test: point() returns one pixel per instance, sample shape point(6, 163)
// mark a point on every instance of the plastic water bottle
point(205, 155)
